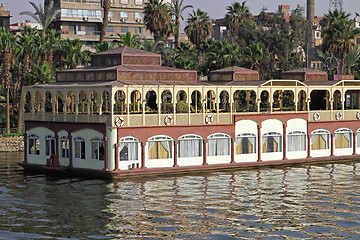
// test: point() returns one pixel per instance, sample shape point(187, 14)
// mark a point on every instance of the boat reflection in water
point(304, 201)
point(298, 202)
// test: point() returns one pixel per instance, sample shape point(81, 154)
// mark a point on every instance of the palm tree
point(157, 19)
point(338, 34)
point(176, 10)
point(353, 59)
point(43, 15)
point(237, 15)
point(128, 40)
point(198, 27)
point(7, 41)
point(106, 7)
point(104, 46)
point(72, 54)
point(255, 54)
point(150, 45)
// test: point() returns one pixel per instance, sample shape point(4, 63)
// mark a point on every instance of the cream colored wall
point(190, 161)
point(87, 163)
point(246, 126)
point(296, 124)
point(41, 132)
point(112, 140)
point(271, 125)
point(218, 159)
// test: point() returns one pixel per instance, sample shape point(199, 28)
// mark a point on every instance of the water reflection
point(319, 201)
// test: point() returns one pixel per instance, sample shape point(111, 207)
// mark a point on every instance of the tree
point(103, 46)
point(176, 10)
point(43, 15)
point(7, 41)
point(338, 34)
point(198, 27)
point(157, 19)
point(255, 53)
point(71, 53)
point(106, 7)
point(128, 40)
point(237, 15)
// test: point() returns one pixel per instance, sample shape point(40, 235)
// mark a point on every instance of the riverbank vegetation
point(266, 43)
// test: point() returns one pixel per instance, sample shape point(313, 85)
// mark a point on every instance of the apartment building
point(82, 19)
point(4, 17)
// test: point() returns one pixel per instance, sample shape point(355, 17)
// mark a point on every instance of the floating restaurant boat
point(126, 115)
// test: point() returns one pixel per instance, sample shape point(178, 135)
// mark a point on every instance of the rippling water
point(319, 201)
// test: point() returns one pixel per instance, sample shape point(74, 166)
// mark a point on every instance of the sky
point(214, 8)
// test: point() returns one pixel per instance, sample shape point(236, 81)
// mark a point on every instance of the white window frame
point(246, 135)
point(294, 134)
point(139, 2)
point(342, 131)
point(79, 140)
point(64, 147)
point(190, 137)
point(36, 143)
point(215, 137)
point(124, 1)
point(97, 142)
point(321, 132)
point(138, 15)
point(158, 139)
point(50, 146)
point(265, 137)
point(133, 142)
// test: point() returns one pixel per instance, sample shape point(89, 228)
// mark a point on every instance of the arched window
point(245, 143)
point(271, 142)
point(224, 105)
point(105, 108)
point(296, 141)
point(160, 147)
point(135, 106)
point(59, 102)
point(182, 106)
point(119, 104)
point(48, 102)
point(320, 139)
point(49, 146)
point(97, 149)
point(151, 105)
point(79, 148)
point(218, 145)
point(128, 149)
point(190, 146)
point(343, 138)
point(94, 105)
point(82, 105)
point(196, 102)
point(33, 144)
point(64, 147)
point(27, 102)
point(166, 99)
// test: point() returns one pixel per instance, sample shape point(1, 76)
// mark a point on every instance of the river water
point(304, 201)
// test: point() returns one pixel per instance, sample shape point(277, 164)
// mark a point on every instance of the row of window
point(137, 2)
point(67, 12)
point(97, 147)
point(219, 144)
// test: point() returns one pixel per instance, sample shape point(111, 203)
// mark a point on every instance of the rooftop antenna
point(336, 4)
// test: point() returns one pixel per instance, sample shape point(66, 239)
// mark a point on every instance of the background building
point(4, 17)
point(82, 19)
